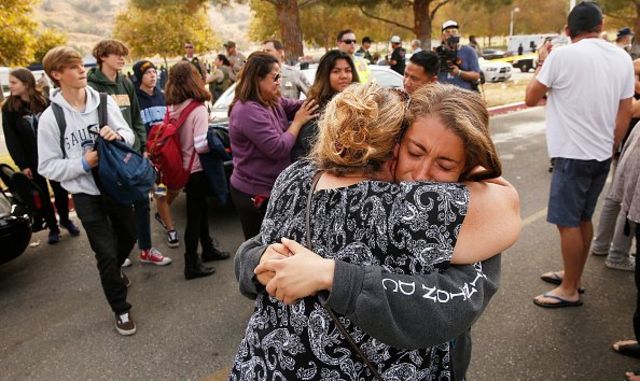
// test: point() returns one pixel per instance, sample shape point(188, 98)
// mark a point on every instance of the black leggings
point(197, 228)
point(61, 201)
point(250, 216)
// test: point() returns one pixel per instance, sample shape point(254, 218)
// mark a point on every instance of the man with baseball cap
point(396, 62)
point(623, 38)
point(364, 50)
point(236, 58)
point(590, 85)
point(459, 63)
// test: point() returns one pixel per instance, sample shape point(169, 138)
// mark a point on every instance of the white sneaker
point(628, 264)
point(126, 263)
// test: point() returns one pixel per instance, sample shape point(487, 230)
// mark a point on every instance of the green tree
point(164, 27)
point(46, 40)
point(21, 39)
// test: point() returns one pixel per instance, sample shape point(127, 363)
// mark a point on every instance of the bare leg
point(574, 243)
point(163, 205)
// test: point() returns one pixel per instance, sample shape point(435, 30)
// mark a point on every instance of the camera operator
point(458, 63)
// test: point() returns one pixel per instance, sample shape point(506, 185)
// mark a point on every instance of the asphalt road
point(56, 325)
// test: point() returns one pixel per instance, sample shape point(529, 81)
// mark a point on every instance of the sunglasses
point(349, 42)
point(188, 46)
point(276, 77)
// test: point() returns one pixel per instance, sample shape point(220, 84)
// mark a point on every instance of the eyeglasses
point(349, 42)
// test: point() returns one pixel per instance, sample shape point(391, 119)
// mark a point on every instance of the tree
point(20, 39)
point(164, 27)
point(423, 12)
point(47, 40)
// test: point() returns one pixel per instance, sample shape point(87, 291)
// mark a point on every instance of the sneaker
point(54, 237)
point(126, 263)
point(71, 228)
point(214, 255)
point(159, 219)
point(155, 257)
point(125, 279)
point(125, 325)
point(628, 264)
point(172, 239)
point(595, 253)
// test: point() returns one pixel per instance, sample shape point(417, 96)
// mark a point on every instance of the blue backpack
point(122, 173)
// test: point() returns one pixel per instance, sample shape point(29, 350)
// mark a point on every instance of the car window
point(387, 79)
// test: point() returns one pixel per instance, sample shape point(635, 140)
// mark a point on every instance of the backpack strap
point(103, 117)
point(58, 112)
point(185, 113)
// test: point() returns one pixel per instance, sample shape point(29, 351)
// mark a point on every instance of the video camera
point(449, 57)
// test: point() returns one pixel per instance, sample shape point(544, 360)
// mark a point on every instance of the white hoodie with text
point(69, 172)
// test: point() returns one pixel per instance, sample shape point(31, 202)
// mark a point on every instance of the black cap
point(367, 39)
point(584, 17)
point(624, 32)
point(141, 67)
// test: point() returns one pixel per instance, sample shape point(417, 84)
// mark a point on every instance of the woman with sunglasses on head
point(366, 229)
point(263, 127)
point(335, 72)
point(20, 114)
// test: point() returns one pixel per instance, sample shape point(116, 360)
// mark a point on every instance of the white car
point(382, 75)
point(495, 71)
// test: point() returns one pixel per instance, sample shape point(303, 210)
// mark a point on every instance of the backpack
point(165, 152)
point(122, 173)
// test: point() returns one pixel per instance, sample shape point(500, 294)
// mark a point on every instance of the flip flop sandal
point(561, 302)
point(631, 350)
point(556, 279)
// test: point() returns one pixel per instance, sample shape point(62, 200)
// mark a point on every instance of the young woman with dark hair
point(263, 127)
point(335, 72)
point(20, 114)
point(185, 87)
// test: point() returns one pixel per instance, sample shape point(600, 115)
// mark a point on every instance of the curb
point(511, 107)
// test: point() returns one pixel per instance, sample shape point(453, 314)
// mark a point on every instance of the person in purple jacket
point(263, 127)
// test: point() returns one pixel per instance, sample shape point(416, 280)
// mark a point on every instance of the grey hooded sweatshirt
point(77, 140)
point(405, 311)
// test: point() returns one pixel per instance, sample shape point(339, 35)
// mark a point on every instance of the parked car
point(382, 75)
point(495, 71)
point(490, 54)
point(15, 221)
point(525, 62)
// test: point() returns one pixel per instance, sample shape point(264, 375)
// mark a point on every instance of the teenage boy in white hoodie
point(109, 225)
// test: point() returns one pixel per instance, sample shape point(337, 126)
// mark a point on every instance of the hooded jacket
point(70, 171)
point(152, 107)
point(123, 92)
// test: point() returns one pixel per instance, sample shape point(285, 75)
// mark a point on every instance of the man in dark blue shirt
point(461, 67)
point(396, 62)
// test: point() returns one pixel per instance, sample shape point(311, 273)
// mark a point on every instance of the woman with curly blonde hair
point(343, 204)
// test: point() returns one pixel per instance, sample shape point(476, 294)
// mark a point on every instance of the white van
point(4, 80)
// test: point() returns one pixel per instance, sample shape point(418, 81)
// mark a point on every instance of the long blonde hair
point(359, 129)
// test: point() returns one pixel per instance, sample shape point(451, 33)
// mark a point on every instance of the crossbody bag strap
point(343, 331)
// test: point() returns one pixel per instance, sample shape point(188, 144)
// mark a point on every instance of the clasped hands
point(108, 134)
point(290, 271)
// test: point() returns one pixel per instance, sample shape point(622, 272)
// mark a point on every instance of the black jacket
point(20, 129)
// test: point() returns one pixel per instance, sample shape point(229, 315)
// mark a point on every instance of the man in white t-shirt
point(589, 86)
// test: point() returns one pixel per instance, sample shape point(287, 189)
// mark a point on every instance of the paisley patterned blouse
point(406, 228)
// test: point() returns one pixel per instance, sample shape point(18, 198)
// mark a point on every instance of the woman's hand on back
point(306, 112)
point(301, 275)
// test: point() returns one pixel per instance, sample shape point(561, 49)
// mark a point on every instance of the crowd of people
point(340, 196)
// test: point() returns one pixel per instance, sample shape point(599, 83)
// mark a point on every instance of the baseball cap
point(449, 24)
point(367, 39)
point(584, 17)
point(395, 40)
point(229, 44)
point(624, 32)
